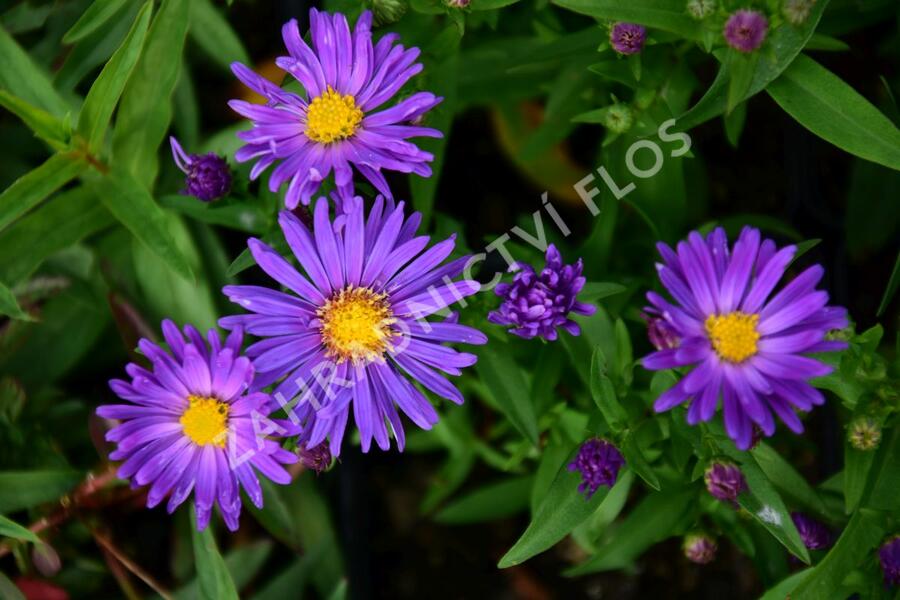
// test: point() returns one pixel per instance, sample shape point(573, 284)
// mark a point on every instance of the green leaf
point(782, 590)
point(146, 108)
point(26, 489)
point(764, 502)
point(885, 475)
point(490, 4)
point(32, 188)
point(9, 306)
point(494, 501)
point(240, 215)
point(823, 103)
point(668, 15)
point(212, 573)
point(784, 43)
point(8, 590)
point(72, 216)
point(561, 511)
point(96, 15)
point(101, 100)
point(857, 465)
point(132, 205)
point(215, 36)
point(741, 68)
point(891, 289)
point(658, 516)
point(506, 382)
point(44, 125)
point(597, 290)
point(635, 459)
point(786, 478)
point(18, 72)
point(604, 393)
point(10, 528)
point(862, 533)
point(243, 564)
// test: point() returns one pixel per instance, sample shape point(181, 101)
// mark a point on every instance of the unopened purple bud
point(207, 176)
point(662, 333)
point(699, 548)
point(746, 30)
point(599, 462)
point(815, 535)
point(889, 557)
point(724, 481)
point(316, 459)
point(627, 38)
point(537, 304)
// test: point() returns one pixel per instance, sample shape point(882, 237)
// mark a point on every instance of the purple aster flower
point(599, 462)
point(724, 481)
point(746, 344)
point(699, 548)
point(207, 176)
point(746, 30)
point(627, 38)
point(889, 557)
point(815, 535)
point(536, 304)
point(317, 459)
point(660, 332)
point(191, 425)
point(337, 123)
point(352, 334)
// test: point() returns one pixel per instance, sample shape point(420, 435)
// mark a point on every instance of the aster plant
point(340, 122)
point(359, 313)
point(748, 345)
point(190, 423)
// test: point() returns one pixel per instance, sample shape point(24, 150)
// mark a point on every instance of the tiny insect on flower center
point(332, 117)
point(356, 324)
point(206, 421)
point(733, 336)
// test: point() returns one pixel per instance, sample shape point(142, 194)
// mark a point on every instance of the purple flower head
point(316, 459)
point(191, 423)
point(815, 535)
point(627, 38)
point(746, 344)
point(207, 176)
point(660, 332)
point(536, 304)
point(336, 123)
point(599, 462)
point(889, 557)
point(350, 334)
point(699, 548)
point(746, 30)
point(724, 481)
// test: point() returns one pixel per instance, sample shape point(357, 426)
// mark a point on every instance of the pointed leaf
point(10, 528)
point(212, 573)
point(214, 35)
point(32, 188)
point(44, 125)
point(98, 107)
point(668, 15)
point(507, 384)
point(9, 306)
point(96, 15)
point(29, 81)
point(826, 105)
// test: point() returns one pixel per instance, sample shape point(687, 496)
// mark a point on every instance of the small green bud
point(700, 9)
point(864, 433)
point(385, 12)
point(619, 118)
point(797, 11)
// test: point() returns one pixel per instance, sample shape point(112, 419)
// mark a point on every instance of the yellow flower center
point(332, 117)
point(356, 324)
point(733, 336)
point(205, 421)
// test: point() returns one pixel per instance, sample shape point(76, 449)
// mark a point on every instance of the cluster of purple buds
point(746, 30)
point(889, 557)
point(725, 481)
point(535, 304)
point(207, 176)
point(699, 548)
point(317, 458)
point(627, 38)
point(660, 332)
point(815, 535)
point(599, 462)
